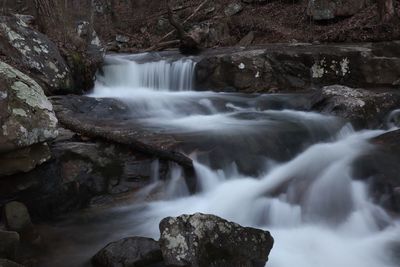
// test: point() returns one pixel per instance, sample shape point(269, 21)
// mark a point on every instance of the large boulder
point(206, 240)
point(362, 107)
point(129, 252)
point(26, 119)
point(35, 53)
point(329, 9)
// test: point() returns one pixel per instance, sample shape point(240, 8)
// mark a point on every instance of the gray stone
point(9, 242)
point(24, 159)
point(233, 9)
point(206, 240)
point(17, 217)
point(35, 53)
point(122, 39)
point(362, 107)
point(286, 67)
point(26, 118)
point(129, 252)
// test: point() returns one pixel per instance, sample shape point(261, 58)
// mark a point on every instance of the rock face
point(129, 252)
point(81, 174)
point(362, 107)
point(299, 66)
point(35, 53)
point(27, 120)
point(201, 240)
point(8, 244)
point(329, 9)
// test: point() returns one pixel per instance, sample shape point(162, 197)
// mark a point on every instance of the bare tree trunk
point(385, 10)
point(47, 16)
point(188, 45)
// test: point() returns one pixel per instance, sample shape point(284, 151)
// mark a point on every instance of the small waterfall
point(129, 74)
point(259, 162)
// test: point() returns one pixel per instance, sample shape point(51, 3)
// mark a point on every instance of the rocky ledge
point(300, 66)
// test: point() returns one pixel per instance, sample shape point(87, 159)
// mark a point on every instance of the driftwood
point(188, 44)
point(82, 120)
point(170, 10)
point(48, 15)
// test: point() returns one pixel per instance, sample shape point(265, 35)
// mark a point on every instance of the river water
point(259, 161)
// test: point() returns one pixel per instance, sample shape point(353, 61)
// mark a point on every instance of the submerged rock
point(360, 106)
point(129, 252)
point(35, 53)
point(201, 240)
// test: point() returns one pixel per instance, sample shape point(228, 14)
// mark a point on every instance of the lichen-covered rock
point(329, 9)
point(26, 115)
point(9, 242)
point(362, 107)
point(27, 121)
point(129, 252)
point(35, 53)
point(299, 66)
point(202, 240)
point(84, 56)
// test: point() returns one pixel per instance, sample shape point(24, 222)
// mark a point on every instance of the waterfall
point(127, 73)
point(259, 162)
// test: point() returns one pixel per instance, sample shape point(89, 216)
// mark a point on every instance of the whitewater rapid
point(259, 161)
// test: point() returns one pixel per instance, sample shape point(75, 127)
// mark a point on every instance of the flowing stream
point(259, 161)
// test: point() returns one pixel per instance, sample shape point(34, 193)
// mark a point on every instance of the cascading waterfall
point(259, 162)
point(163, 75)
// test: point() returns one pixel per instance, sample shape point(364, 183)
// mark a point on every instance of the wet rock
point(129, 252)
point(85, 56)
point(35, 53)
point(233, 9)
point(207, 240)
point(9, 242)
point(24, 159)
point(17, 216)
point(299, 66)
point(8, 263)
point(27, 120)
point(362, 107)
point(329, 9)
